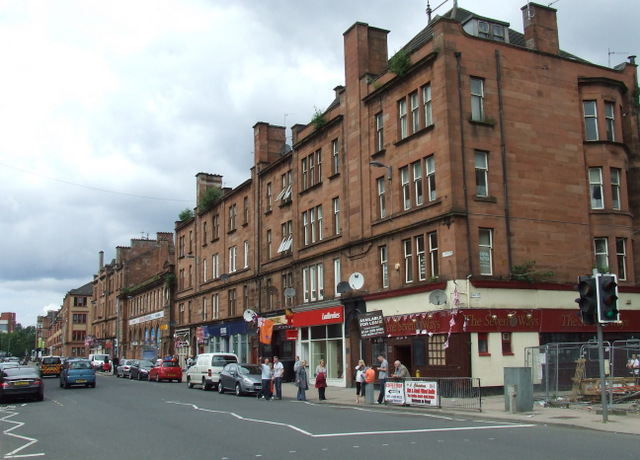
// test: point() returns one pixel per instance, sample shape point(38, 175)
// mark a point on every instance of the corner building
point(457, 188)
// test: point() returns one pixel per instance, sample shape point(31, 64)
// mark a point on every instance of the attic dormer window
point(491, 31)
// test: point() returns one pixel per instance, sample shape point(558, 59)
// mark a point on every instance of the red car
point(166, 370)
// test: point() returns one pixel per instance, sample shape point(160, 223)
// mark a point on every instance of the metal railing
point(444, 393)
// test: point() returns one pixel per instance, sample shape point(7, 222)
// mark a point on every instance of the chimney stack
point(540, 28)
point(100, 261)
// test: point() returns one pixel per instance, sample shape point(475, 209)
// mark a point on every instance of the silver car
point(241, 378)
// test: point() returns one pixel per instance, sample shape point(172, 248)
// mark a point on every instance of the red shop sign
point(292, 334)
point(330, 315)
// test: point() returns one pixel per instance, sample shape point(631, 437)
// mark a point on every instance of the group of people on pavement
point(366, 375)
point(272, 374)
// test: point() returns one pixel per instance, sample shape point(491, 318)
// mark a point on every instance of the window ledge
point(484, 354)
point(485, 199)
point(488, 122)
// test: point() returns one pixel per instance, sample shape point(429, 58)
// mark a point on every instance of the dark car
point(77, 372)
point(140, 369)
point(124, 367)
point(21, 382)
point(166, 370)
point(241, 378)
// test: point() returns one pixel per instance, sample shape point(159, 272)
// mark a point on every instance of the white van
point(206, 370)
point(98, 361)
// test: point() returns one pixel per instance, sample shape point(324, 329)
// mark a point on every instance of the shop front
point(182, 346)
point(229, 337)
point(321, 337)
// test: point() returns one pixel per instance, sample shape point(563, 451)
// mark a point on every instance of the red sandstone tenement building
point(455, 191)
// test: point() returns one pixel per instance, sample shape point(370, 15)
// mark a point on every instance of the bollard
point(512, 391)
point(369, 391)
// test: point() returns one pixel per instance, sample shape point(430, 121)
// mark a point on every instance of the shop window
point(506, 343)
point(483, 344)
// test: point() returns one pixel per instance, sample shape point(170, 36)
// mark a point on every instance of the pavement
point(621, 418)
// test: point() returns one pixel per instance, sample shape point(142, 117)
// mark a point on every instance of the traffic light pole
point(603, 380)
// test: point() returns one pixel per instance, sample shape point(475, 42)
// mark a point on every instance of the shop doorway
point(403, 354)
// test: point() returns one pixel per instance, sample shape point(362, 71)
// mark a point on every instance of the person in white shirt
point(278, 372)
point(265, 393)
point(634, 366)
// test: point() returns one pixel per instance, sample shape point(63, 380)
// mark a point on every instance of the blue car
point(77, 372)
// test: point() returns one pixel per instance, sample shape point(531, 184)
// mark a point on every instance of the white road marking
point(353, 433)
point(10, 412)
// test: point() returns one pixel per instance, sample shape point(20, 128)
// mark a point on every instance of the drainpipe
point(503, 149)
point(458, 55)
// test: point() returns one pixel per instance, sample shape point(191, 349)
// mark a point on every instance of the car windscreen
point(20, 371)
point(223, 360)
point(51, 361)
point(248, 370)
point(81, 365)
point(170, 364)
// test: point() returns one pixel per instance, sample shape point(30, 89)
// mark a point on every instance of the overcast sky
point(108, 110)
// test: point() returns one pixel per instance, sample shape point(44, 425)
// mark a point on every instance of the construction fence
point(571, 370)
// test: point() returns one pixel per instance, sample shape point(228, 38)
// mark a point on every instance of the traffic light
point(588, 301)
point(608, 299)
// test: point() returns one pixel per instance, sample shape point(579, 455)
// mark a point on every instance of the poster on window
point(371, 324)
point(421, 393)
point(394, 392)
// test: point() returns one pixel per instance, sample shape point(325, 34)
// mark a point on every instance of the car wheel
point(238, 390)
point(157, 378)
point(220, 388)
point(204, 385)
point(40, 397)
point(130, 376)
point(93, 385)
point(189, 383)
point(149, 378)
point(139, 376)
point(66, 386)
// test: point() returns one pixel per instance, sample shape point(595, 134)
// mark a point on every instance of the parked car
point(241, 378)
point(77, 371)
point(100, 362)
point(140, 368)
point(21, 381)
point(5, 365)
point(50, 365)
point(166, 370)
point(123, 368)
point(206, 370)
point(11, 359)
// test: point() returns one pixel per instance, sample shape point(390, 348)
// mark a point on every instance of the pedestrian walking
point(359, 377)
point(278, 372)
point(321, 379)
point(265, 393)
point(382, 377)
point(302, 381)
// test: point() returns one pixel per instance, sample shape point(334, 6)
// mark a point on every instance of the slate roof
point(463, 16)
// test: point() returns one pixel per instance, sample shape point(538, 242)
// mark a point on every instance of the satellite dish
point(343, 287)
point(438, 297)
point(356, 280)
point(249, 315)
point(289, 293)
point(286, 148)
point(224, 276)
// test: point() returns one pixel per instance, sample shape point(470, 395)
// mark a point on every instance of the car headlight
point(247, 381)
